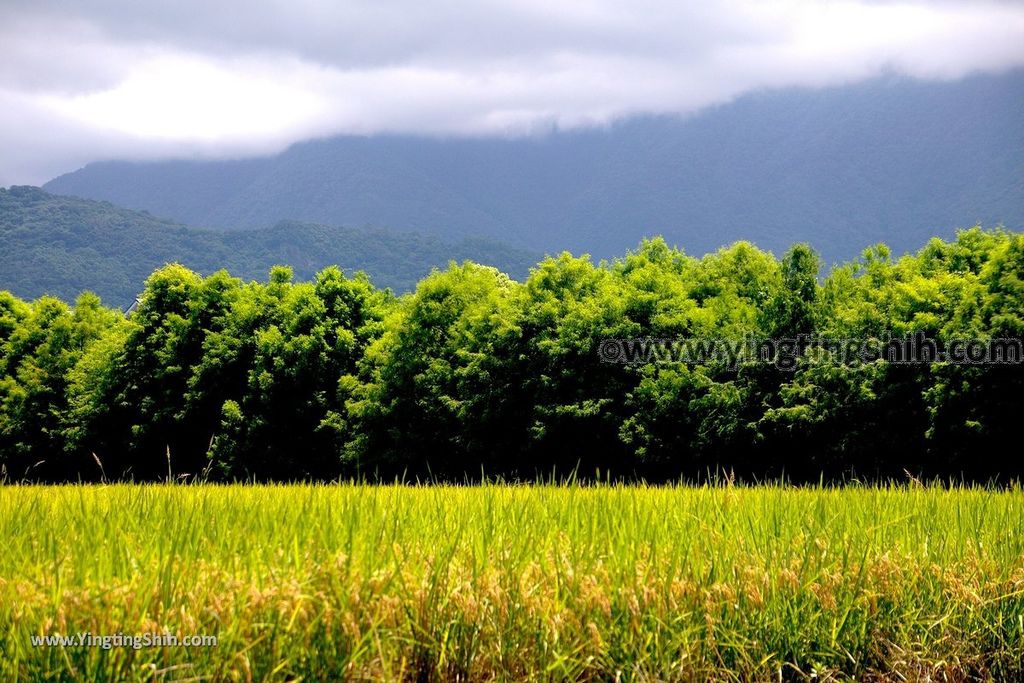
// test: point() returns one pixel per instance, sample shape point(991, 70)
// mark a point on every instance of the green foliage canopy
point(475, 373)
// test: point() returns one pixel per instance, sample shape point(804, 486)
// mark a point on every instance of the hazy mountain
point(63, 245)
point(891, 159)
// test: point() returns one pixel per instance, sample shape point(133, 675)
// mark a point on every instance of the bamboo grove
point(474, 374)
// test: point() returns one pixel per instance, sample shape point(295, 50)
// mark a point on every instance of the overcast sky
point(99, 79)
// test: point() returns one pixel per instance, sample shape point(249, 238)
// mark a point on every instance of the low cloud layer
point(188, 78)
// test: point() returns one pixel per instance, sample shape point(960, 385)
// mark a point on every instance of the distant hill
point(64, 245)
point(892, 159)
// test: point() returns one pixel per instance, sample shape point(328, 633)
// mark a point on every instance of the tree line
point(476, 374)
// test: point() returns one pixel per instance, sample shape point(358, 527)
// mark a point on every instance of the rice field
point(494, 582)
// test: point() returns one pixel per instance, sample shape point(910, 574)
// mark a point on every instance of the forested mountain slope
point(892, 160)
point(64, 245)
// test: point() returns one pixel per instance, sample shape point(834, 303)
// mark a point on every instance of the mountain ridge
point(65, 245)
point(891, 159)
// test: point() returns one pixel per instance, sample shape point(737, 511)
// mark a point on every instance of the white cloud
point(118, 78)
point(187, 98)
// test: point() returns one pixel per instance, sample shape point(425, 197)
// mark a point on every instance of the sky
point(89, 80)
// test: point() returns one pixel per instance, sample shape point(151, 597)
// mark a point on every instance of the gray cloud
point(123, 79)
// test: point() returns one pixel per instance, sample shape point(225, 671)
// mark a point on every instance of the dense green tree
point(572, 402)
point(791, 311)
point(283, 351)
point(697, 418)
point(976, 408)
point(133, 405)
point(45, 341)
point(424, 388)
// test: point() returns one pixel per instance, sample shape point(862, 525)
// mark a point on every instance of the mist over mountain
point(65, 245)
point(892, 159)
